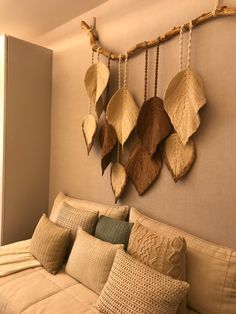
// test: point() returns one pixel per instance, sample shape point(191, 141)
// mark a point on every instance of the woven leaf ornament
point(118, 179)
point(96, 79)
point(183, 98)
point(122, 114)
point(108, 140)
point(153, 124)
point(99, 107)
point(142, 169)
point(89, 127)
point(178, 157)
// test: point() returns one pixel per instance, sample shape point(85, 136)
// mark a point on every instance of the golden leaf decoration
point(178, 157)
point(141, 168)
point(99, 107)
point(108, 140)
point(96, 79)
point(118, 179)
point(89, 128)
point(153, 124)
point(122, 114)
point(183, 98)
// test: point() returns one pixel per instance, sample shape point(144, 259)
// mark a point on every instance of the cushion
point(90, 260)
point(72, 218)
point(133, 287)
point(118, 212)
point(211, 265)
point(49, 244)
point(165, 254)
point(113, 230)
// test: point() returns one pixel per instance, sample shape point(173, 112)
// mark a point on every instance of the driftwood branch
point(223, 11)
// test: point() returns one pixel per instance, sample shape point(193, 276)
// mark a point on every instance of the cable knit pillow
point(133, 287)
point(90, 260)
point(71, 218)
point(165, 254)
point(49, 244)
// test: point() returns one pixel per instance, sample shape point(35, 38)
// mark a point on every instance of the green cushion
point(113, 230)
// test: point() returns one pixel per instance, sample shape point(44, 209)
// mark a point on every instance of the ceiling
point(28, 19)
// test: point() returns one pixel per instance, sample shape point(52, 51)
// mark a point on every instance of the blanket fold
point(16, 257)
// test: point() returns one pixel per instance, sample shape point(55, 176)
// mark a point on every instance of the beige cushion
point(90, 260)
point(165, 254)
point(133, 287)
point(49, 244)
point(71, 218)
point(211, 269)
point(118, 212)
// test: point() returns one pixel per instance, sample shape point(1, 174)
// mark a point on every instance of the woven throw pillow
point(49, 244)
point(165, 254)
point(133, 287)
point(113, 230)
point(90, 260)
point(71, 218)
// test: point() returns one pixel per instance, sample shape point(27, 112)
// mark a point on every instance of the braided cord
point(189, 44)
point(157, 66)
point(125, 70)
point(181, 48)
point(146, 73)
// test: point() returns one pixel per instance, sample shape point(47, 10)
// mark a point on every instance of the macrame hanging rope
point(181, 48)
point(189, 44)
point(125, 70)
point(119, 72)
point(217, 12)
point(157, 67)
point(90, 101)
point(146, 74)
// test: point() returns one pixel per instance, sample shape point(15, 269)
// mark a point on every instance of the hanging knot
point(216, 7)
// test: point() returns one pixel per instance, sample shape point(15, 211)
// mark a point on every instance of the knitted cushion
point(71, 218)
point(133, 287)
point(165, 254)
point(90, 260)
point(49, 244)
point(113, 230)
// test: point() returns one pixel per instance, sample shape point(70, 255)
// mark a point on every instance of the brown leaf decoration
point(108, 139)
point(183, 98)
point(178, 157)
point(96, 79)
point(99, 107)
point(153, 124)
point(142, 169)
point(118, 179)
point(89, 128)
point(122, 114)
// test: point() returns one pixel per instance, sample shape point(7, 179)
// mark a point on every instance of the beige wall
point(204, 202)
point(26, 138)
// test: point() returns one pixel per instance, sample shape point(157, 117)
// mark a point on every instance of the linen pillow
point(114, 211)
point(165, 254)
point(133, 287)
point(49, 244)
point(113, 230)
point(90, 260)
point(71, 218)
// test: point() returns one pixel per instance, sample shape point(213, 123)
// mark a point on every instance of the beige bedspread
point(16, 257)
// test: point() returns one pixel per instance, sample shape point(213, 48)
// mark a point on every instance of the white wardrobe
point(25, 114)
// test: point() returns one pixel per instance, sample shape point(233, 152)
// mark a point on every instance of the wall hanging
point(163, 128)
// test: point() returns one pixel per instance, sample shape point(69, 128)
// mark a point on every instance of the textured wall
point(204, 202)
